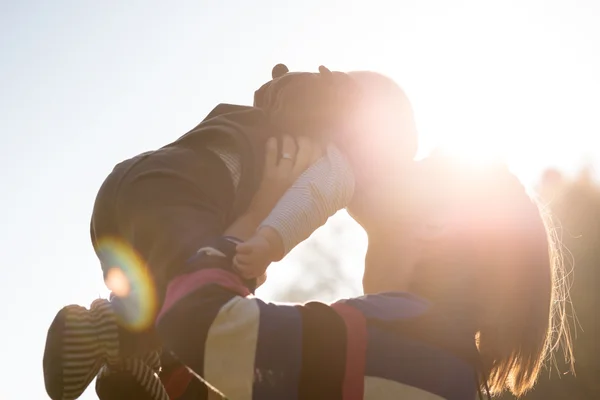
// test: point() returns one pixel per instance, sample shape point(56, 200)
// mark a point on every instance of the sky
point(84, 85)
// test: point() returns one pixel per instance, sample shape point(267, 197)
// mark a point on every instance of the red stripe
point(185, 284)
point(176, 382)
point(356, 328)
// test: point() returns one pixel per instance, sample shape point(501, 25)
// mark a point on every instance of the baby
point(329, 184)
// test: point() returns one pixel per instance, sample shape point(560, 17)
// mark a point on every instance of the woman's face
point(400, 212)
point(406, 193)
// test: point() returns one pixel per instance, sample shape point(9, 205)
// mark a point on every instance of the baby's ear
point(279, 70)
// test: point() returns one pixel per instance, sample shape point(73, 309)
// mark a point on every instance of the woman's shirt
point(374, 347)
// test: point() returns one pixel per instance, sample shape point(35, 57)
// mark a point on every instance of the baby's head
point(307, 103)
point(366, 113)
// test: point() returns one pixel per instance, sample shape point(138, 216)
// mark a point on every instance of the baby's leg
point(151, 215)
point(167, 206)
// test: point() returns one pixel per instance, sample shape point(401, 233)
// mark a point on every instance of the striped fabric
point(79, 343)
point(323, 189)
point(355, 349)
point(90, 339)
point(83, 344)
point(231, 159)
point(141, 375)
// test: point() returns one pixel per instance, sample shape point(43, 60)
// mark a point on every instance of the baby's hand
point(253, 257)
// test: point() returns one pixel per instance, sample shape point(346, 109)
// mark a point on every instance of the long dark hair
point(497, 254)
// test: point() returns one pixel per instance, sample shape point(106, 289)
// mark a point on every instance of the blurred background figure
point(550, 184)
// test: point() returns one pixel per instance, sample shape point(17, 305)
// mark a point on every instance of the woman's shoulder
point(389, 306)
point(412, 348)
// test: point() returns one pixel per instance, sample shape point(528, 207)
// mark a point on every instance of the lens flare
point(128, 278)
point(117, 282)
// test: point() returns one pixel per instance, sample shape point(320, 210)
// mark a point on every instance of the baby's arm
point(323, 189)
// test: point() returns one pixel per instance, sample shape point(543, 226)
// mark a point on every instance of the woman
point(485, 257)
point(463, 291)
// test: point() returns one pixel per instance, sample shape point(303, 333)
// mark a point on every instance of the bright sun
point(483, 143)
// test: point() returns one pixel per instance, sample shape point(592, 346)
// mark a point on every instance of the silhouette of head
point(308, 103)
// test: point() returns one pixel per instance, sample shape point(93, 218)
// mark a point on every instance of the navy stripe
point(278, 353)
point(391, 356)
point(389, 306)
point(324, 344)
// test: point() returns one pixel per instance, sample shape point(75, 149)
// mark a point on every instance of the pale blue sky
point(86, 84)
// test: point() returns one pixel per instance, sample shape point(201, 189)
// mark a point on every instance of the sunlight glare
point(129, 275)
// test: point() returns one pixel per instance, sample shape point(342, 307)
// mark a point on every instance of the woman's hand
point(281, 172)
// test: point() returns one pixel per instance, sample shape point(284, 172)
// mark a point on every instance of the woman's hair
point(494, 253)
